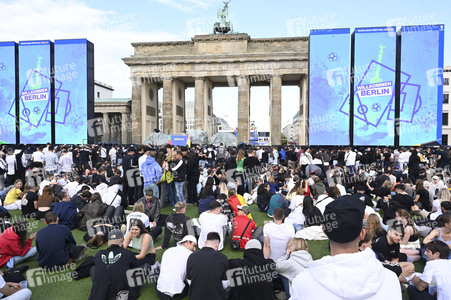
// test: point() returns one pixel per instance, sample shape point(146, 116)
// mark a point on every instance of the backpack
point(3, 166)
point(221, 152)
point(84, 269)
point(4, 193)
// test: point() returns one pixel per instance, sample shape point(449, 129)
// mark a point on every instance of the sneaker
point(82, 253)
point(281, 295)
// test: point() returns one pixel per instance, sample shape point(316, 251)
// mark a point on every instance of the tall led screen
point(7, 92)
point(71, 91)
point(374, 85)
point(329, 62)
point(35, 92)
point(421, 84)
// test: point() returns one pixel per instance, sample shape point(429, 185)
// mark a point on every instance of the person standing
point(178, 169)
point(51, 161)
point(192, 174)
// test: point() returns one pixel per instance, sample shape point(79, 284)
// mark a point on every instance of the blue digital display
point(329, 61)
point(374, 85)
point(35, 92)
point(7, 92)
point(71, 98)
point(422, 49)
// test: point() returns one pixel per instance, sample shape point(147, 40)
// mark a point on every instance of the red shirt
point(234, 201)
point(10, 246)
point(240, 223)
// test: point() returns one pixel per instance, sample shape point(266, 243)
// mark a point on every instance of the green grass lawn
point(66, 288)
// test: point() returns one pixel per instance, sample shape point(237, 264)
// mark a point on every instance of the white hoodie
point(346, 276)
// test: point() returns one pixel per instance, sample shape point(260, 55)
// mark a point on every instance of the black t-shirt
point(405, 200)
point(381, 179)
point(251, 163)
point(384, 250)
point(424, 199)
point(206, 268)
point(29, 200)
point(382, 192)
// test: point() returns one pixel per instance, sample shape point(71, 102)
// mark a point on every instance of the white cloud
point(111, 33)
point(188, 5)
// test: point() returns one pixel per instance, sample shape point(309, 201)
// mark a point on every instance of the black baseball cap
point(343, 219)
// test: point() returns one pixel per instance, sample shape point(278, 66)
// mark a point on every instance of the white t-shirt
point(211, 222)
point(437, 274)
point(296, 201)
point(112, 153)
point(108, 198)
point(37, 156)
point(66, 163)
point(10, 162)
point(72, 188)
point(2, 284)
point(279, 236)
point(173, 270)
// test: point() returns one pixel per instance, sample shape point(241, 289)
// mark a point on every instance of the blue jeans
point(351, 169)
point(286, 285)
point(298, 227)
point(18, 259)
point(170, 191)
point(179, 191)
point(154, 188)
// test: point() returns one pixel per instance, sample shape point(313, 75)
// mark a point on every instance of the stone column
point(275, 109)
point(137, 112)
point(178, 106)
point(243, 109)
point(106, 128)
point(125, 124)
point(208, 108)
point(167, 107)
point(199, 103)
point(304, 129)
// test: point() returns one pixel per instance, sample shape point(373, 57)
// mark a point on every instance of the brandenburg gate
point(209, 61)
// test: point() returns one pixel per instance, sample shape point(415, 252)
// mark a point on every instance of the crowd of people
point(382, 210)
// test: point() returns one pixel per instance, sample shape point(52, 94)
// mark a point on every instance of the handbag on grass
point(235, 244)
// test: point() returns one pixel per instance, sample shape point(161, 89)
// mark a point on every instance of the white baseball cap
point(187, 238)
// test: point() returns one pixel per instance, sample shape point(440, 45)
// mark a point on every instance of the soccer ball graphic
point(376, 107)
point(332, 56)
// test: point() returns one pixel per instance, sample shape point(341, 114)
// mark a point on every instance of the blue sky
point(113, 25)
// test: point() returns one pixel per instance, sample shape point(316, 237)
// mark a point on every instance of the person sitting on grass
point(277, 236)
point(56, 245)
point(14, 245)
point(442, 233)
point(387, 249)
point(177, 224)
point(293, 262)
point(172, 282)
point(252, 259)
point(13, 291)
point(66, 211)
point(410, 242)
point(212, 220)
point(13, 198)
point(109, 273)
point(347, 273)
point(139, 239)
point(437, 271)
